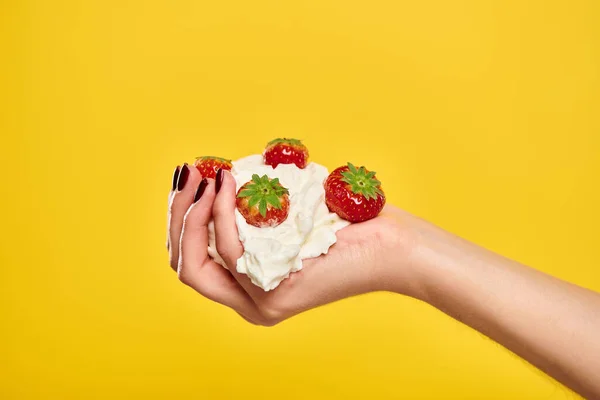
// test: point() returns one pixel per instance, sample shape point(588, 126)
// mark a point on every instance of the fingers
point(196, 269)
point(226, 233)
point(227, 240)
point(171, 194)
point(214, 282)
point(182, 199)
point(193, 245)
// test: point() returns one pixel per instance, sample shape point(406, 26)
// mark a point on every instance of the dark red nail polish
point(175, 178)
point(218, 180)
point(183, 177)
point(201, 188)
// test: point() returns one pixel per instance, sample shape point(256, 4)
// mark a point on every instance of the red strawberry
point(285, 151)
point(263, 202)
point(209, 165)
point(354, 194)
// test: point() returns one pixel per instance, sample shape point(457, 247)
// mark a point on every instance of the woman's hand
point(550, 323)
point(360, 261)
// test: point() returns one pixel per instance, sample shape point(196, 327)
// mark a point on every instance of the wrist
point(409, 256)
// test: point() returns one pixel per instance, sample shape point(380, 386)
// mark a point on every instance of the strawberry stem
point(288, 141)
point(263, 191)
point(362, 182)
point(219, 159)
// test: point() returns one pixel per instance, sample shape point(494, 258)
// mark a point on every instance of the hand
point(362, 260)
point(533, 314)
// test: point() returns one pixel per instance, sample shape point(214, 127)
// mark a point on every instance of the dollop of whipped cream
point(271, 254)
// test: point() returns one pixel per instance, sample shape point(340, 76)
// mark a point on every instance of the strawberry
point(209, 165)
point(354, 194)
point(285, 151)
point(263, 202)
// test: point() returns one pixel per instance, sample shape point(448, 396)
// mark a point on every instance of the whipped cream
point(271, 254)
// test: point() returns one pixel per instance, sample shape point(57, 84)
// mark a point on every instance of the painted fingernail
point(183, 177)
point(201, 188)
point(219, 180)
point(175, 177)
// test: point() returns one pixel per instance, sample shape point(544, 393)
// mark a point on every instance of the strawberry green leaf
point(291, 142)
point(263, 192)
point(348, 175)
point(253, 201)
point(217, 159)
point(361, 181)
point(262, 207)
point(246, 193)
point(280, 191)
point(273, 200)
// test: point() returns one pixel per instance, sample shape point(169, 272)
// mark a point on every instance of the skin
point(552, 324)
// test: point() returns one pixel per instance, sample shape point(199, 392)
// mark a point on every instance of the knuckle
point(184, 276)
point(270, 315)
point(223, 207)
point(222, 250)
point(187, 227)
point(226, 255)
point(218, 210)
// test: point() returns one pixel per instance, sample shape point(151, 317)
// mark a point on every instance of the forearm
point(551, 323)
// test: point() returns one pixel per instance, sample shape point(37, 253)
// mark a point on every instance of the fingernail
point(200, 190)
point(218, 180)
point(183, 177)
point(175, 177)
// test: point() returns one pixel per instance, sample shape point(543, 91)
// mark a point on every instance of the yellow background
point(481, 116)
